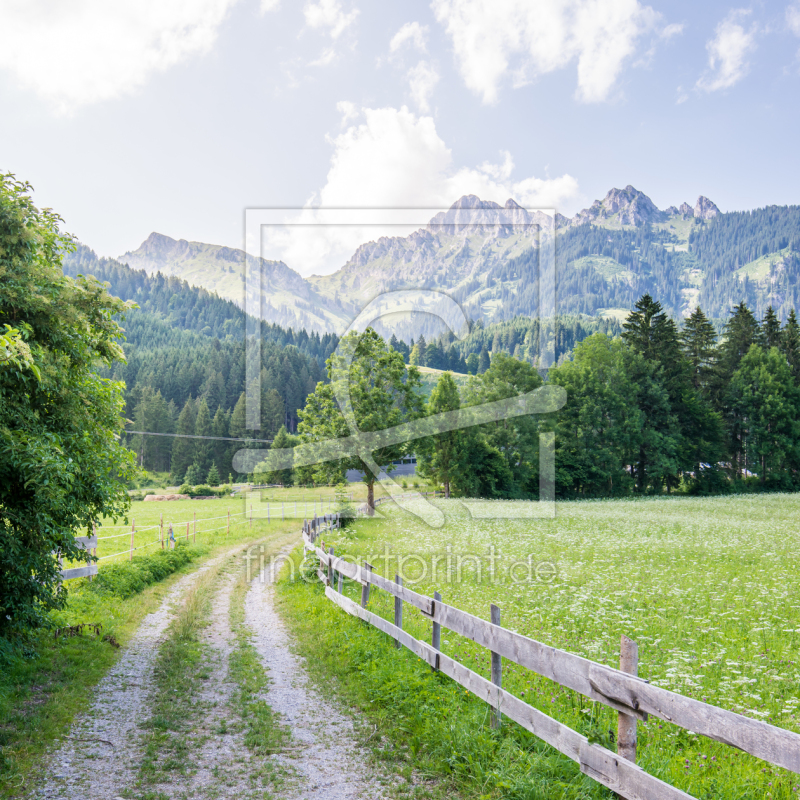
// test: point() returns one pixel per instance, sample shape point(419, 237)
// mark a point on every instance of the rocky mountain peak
point(632, 207)
point(705, 209)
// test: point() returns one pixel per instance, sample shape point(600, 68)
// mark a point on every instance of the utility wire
point(190, 436)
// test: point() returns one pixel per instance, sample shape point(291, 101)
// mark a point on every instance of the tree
point(213, 476)
point(267, 471)
point(741, 332)
point(790, 344)
point(183, 448)
point(472, 364)
point(434, 357)
point(438, 456)
point(698, 340)
point(516, 439)
point(770, 329)
point(598, 431)
point(194, 475)
point(483, 361)
point(764, 395)
point(61, 459)
point(203, 447)
point(382, 392)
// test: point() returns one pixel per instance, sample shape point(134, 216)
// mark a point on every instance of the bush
point(127, 578)
point(185, 489)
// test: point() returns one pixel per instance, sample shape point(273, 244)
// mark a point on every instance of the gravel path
point(102, 753)
point(331, 764)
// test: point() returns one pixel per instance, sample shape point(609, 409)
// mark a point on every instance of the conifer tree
point(790, 344)
point(770, 329)
point(213, 476)
point(203, 448)
point(183, 449)
point(483, 361)
point(698, 340)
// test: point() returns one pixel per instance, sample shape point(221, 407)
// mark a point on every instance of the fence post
point(365, 587)
point(187, 531)
point(194, 530)
point(94, 550)
point(436, 636)
point(626, 728)
point(497, 667)
point(398, 609)
point(133, 533)
point(330, 567)
point(341, 582)
point(161, 529)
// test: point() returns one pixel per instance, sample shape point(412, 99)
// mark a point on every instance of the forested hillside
point(185, 370)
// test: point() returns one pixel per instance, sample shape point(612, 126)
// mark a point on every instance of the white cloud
point(327, 56)
point(728, 52)
point(329, 14)
point(793, 18)
point(396, 159)
point(86, 51)
point(411, 33)
point(675, 29)
point(528, 39)
point(269, 5)
point(422, 81)
point(348, 110)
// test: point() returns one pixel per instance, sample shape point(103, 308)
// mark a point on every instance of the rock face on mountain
point(705, 209)
point(628, 206)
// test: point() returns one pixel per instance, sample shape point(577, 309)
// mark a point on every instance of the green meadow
point(706, 586)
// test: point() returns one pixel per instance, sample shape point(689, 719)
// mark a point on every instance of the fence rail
point(631, 696)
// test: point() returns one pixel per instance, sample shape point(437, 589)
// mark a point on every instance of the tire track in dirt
point(100, 756)
point(330, 762)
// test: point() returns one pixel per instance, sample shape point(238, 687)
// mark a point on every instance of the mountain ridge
point(607, 256)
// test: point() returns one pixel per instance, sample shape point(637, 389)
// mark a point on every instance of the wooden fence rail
point(631, 696)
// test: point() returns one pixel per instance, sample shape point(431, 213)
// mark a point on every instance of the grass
point(182, 665)
point(704, 585)
point(759, 269)
point(41, 693)
point(606, 267)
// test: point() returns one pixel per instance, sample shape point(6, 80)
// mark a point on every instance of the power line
point(190, 436)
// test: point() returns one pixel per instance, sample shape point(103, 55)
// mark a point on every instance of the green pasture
point(707, 587)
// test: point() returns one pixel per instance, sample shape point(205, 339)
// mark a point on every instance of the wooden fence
point(632, 697)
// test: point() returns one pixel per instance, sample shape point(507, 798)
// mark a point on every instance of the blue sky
point(175, 116)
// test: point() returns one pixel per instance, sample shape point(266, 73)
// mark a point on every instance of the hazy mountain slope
point(289, 299)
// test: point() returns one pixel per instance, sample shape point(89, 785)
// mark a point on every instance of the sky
point(177, 115)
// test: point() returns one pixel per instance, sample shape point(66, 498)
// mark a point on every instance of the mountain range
point(606, 256)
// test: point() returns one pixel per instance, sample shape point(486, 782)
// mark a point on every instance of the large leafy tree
point(60, 454)
point(441, 456)
point(598, 431)
point(382, 393)
point(516, 439)
point(764, 396)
